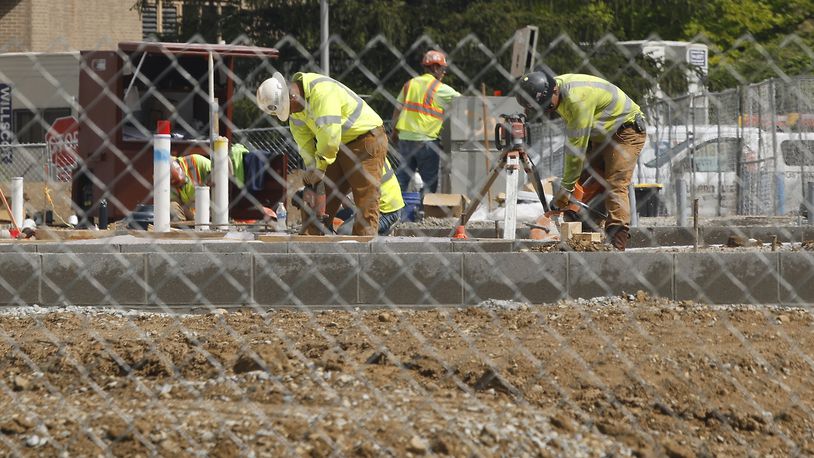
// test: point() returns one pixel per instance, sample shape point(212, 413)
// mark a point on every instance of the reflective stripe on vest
point(426, 106)
point(421, 112)
point(337, 119)
point(190, 163)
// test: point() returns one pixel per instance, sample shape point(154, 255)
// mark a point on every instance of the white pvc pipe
point(510, 215)
point(161, 182)
point(213, 112)
point(17, 200)
point(202, 208)
point(220, 180)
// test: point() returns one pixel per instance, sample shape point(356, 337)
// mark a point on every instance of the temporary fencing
point(252, 339)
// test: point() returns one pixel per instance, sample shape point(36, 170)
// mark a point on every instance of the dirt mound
point(610, 376)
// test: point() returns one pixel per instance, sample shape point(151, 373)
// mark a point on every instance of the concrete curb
point(431, 278)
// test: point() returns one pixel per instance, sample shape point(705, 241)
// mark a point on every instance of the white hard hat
point(272, 97)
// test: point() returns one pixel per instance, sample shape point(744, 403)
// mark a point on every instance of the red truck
point(124, 92)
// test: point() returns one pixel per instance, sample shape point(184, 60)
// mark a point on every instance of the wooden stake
point(486, 143)
point(695, 222)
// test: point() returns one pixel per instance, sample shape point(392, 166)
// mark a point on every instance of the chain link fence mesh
point(250, 339)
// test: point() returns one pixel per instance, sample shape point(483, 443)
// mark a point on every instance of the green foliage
point(750, 40)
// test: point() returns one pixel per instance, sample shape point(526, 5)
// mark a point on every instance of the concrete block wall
point(406, 274)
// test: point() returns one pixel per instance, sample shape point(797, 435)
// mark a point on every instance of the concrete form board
point(411, 245)
point(19, 278)
point(93, 279)
point(482, 246)
point(609, 274)
point(194, 247)
point(524, 277)
point(411, 279)
point(727, 278)
point(199, 278)
point(306, 279)
point(15, 247)
point(77, 248)
point(348, 247)
point(797, 278)
point(245, 247)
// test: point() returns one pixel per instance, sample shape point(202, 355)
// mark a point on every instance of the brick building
point(67, 25)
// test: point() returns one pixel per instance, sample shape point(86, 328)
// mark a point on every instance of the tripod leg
point(537, 182)
point(474, 205)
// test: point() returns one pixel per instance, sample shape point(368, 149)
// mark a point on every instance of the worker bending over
point(186, 173)
point(605, 133)
point(418, 119)
point(340, 138)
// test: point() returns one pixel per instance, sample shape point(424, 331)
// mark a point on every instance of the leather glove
point(561, 199)
point(313, 176)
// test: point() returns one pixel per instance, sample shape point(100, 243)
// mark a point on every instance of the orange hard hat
point(434, 58)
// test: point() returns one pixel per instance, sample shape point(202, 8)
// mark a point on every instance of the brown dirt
point(588, 378)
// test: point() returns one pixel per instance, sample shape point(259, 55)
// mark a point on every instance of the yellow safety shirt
point(593, 110)
point(390, 199)
point(197, 168)
point(333, 115)
point(424, 100)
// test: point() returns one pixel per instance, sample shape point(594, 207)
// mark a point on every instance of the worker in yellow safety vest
point(186, 172)
point(390, 204)
point(340, 138)
point(418, 119)
point(605, 132)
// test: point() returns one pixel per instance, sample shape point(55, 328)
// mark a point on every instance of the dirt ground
point(602, 377)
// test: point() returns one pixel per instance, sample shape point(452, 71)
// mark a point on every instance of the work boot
point(617, 236)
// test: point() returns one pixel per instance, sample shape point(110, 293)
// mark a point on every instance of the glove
point(313, 176)
point(561, 199)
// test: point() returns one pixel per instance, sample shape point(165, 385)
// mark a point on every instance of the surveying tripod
point(512, 139)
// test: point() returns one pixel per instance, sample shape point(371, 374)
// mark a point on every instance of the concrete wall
point(409, 274)
point(41, 80)
point(67, 25)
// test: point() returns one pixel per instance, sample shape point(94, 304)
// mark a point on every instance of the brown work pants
point(358, 169)
point(612, 164)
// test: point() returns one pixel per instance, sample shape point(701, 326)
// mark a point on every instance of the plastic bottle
point(281, 218)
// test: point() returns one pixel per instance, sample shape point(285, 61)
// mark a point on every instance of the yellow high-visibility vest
point(197, 168)
point(333, 115)
point(593, 109)
point(390, 199)
point(422, 112)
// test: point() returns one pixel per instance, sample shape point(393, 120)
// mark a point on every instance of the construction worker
point(340, 138)
point(418, 119)
point(605, 133)
point(390, 204)
point(186, 172)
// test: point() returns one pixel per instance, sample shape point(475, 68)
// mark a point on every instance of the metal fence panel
point(256, 337)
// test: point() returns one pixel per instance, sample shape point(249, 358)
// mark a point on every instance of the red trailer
point(122, 93)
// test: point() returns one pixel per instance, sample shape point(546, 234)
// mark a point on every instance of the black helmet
point(536, 89)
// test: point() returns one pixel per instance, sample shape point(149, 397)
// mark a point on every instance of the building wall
point(15, 32)
point(67, 25)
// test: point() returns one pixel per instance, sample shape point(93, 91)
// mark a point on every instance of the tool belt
point(637, 124)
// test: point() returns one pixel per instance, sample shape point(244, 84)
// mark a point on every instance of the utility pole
point(323, 26)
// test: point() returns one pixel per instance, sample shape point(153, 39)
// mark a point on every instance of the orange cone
point(460, 233)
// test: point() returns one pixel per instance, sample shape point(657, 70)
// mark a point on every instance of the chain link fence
point(255, 338)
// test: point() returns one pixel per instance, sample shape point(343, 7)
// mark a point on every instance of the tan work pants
point(358, 169)
point(612, 163)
